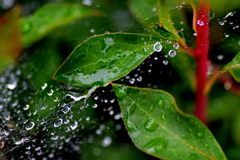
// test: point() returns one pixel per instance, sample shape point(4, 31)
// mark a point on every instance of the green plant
point(151, 116)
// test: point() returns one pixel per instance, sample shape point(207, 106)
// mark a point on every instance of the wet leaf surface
point(159, 128)
point(112, 57)
point(50, 17)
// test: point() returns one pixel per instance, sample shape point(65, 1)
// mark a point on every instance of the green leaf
point(165, 19)
point(234, 67)
point(162, 32)
point(158, 127)
point(105, 58)
point(50, 17)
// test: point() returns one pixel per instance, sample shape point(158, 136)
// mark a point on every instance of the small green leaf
point(162, 32)
point(158, 127)
point(105, 58)
point(234, 67)
point(50, 17)
point(165, 19)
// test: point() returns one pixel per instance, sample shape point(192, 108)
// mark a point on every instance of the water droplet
point(139, 79)
point(44, 86)
point(131, 108)
point(130, 125)
point(207, 145)
point(183, 136)
point(65, 109)
point(156, 145)
point(12, 86)
point(150, 125)
point(118, 116)
point(200, 22)
point(26, 27)
point(92, 30)
point(221, 23)
point(176, 46)
point(157, 47)
point(163, 117)
point(132, 80)
point(195, 34)
point(74, 125)
point(30, 125)
point(95, 106)
point(106, 141)
point(50, 93)
point(220, 57)
point(200, 134)
point(172, 53)
point(26, 107)
point(165, 62)
point(161, 103)
point(151, 108)
point(58, 123)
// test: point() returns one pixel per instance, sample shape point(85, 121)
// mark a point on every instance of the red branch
point(201, 56)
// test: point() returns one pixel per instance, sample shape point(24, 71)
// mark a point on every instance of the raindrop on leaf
point(172, 53)
point(150, 125)
point(157, 47)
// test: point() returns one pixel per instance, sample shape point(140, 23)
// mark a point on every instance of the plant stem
point(201, 56)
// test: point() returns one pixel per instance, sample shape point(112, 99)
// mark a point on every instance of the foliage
point(60, 98)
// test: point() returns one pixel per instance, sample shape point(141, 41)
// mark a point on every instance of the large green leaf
point(234, 67)
point(105, 58)
point(158, 127)
point(50, 17)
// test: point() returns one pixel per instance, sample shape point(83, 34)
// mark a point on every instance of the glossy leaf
point(234, 67)
point(158, 127)
point(10, 36)
point(105, 58)
point(50, 17)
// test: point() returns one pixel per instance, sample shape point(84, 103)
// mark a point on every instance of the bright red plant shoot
point(201, 57)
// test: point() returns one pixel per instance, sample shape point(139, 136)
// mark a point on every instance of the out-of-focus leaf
point(145, 12)
point(234, 67)
point(42, 64)
point(105, 58)
point(10, 37)
point(51, 16)
point(158, 127)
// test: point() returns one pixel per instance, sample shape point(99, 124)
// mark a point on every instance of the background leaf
point(159, 128)
point(51, 16)
point(105, 58)
point(10, 37)
point(234, 67)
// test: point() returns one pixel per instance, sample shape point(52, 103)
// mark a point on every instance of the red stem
point(201, 56)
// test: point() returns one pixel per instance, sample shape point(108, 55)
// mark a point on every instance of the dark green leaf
point(234, 67)
point(145, 12)
point(158, 127)
point(105, 58)
point(51, 16)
